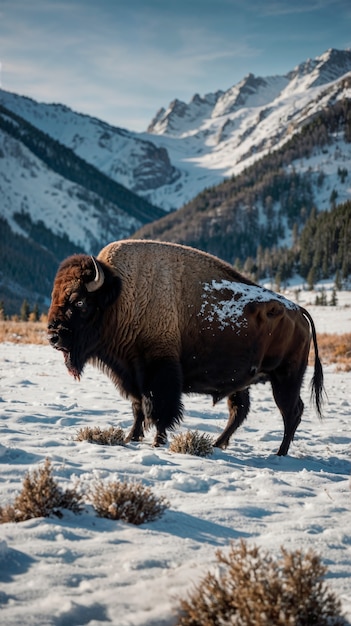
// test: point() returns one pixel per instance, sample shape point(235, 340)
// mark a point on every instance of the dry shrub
point(253, 589)
point(108, 437)
point(23, 332)
point(192, 442)
point(129, 502)
point(40, 497)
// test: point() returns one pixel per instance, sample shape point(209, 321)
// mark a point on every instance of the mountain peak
point(180, 118)
point(327, 67)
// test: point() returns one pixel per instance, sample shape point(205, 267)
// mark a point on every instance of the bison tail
point(317, 386)
point(317, 382)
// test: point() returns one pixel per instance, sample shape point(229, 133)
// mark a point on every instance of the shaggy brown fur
point(169, 320)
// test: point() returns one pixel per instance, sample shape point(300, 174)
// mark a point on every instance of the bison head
point(83, 289)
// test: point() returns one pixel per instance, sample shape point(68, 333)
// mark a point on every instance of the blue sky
point(122, 60)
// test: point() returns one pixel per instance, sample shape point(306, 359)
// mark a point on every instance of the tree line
point(321, 251)
point(26, 313)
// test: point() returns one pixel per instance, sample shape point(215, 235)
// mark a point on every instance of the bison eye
point(80, 304)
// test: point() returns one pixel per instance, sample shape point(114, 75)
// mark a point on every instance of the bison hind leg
point(286, 391)
point(238, 405)
point(291, 421)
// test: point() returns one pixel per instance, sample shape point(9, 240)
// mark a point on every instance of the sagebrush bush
point(110, 436)
point(129, 502)
point(40, 497)
point(254, 589)
point(191, 442)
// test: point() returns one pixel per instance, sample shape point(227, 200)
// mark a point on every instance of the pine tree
point(333, 197)
point(338, 281)
point(34, 315)
point(311, 278)
point(334, 298)
point(25, 310)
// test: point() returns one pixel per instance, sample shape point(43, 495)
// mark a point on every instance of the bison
point(164, 319)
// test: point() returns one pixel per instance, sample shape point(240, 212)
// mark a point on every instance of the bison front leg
point(238, 405)
point(161, 398)
point(137, 430)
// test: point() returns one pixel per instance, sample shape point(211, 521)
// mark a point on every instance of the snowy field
point(83, 570)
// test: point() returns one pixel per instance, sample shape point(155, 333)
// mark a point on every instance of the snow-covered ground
point(82, 570)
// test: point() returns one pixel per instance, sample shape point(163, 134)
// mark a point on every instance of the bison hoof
point(221, 444)
point(160, 440)
point(133, 437)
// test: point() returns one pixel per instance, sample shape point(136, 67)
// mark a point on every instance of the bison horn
point(98, 281)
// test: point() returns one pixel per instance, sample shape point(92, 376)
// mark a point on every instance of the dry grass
point(109, 437)
point(129, 502)
point(193, 443)
point(23, 332)
point(251, 588)
point(40, 497)
point(335, 349)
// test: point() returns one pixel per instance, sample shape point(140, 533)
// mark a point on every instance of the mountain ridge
point(195, 145)
point(215, 137)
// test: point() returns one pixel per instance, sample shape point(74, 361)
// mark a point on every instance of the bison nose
point(53, 334)
point(59, 336)
point(54, 339)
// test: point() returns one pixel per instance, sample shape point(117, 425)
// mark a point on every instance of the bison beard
point(74, 366)
point(72, 369)
point(163, 319)
point(76, 344)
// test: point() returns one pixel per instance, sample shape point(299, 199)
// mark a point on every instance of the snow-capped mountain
point(131, 160)
point(64, 207)
point(324, 69)
point(188, 147)
point(53, 203)
point(45, 180)
point(225, 132)
point(252, 92)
